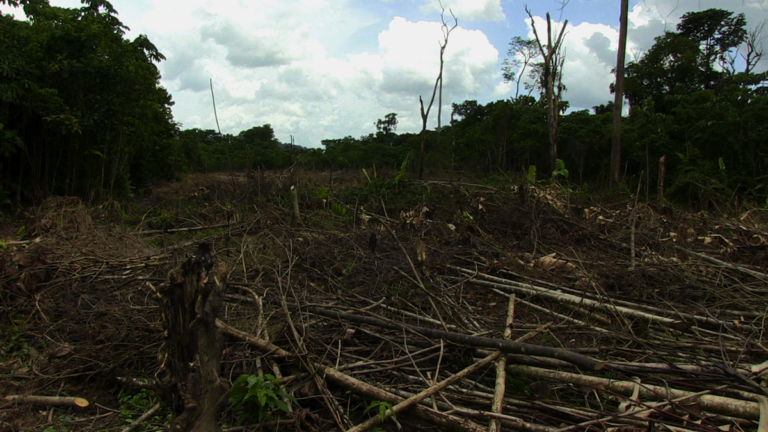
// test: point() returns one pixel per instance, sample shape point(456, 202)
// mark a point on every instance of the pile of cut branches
point(476, 312)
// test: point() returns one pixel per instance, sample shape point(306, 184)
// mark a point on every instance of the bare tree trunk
point(440, 92)
point(424, 117)
point(618, 103)
point(438, 83)
point(662, 171)
point(552, 67)
point(189, 375)
point(552, 119)
point(223, 141)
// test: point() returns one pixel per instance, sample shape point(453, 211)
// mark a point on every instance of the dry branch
point(761, 276)
point(143, 418)
point(413, 400)
point(509, 285)
point(190, 229)
point(501, 370)
point(716, 404)
point(476, 341)
point(445, 421)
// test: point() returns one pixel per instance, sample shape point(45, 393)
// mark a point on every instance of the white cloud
point(649, 20)
point(293, 84)
point(470, 10)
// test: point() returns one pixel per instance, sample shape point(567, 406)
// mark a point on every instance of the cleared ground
point(686, 314)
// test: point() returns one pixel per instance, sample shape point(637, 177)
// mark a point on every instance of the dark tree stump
point(191, 356)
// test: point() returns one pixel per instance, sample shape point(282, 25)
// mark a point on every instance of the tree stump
point(191, 356)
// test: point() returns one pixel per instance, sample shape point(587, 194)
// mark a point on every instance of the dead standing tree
point(189, 374)
point(618, 103)
point(553, 65)
point(438, 84)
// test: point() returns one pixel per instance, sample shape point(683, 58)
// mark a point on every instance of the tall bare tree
point(438, 84)
point(754, 48)
point(618, 104)
point(553, 64)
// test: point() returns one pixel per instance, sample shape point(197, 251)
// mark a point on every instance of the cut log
point(48, 400)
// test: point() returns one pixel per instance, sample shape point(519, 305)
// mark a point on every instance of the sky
point(323, 69)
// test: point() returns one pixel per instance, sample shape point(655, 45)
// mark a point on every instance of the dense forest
point(82, 113)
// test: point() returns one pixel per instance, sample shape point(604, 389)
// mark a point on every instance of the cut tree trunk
point(189, 374)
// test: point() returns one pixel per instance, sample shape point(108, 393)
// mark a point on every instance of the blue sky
point(320, 69)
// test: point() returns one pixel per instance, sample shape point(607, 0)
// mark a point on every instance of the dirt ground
point(364, 281)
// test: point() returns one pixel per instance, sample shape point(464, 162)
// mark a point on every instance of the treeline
point(258, 148)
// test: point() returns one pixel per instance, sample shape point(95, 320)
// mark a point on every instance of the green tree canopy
point(81, 109)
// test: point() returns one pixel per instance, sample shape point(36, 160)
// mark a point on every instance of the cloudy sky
point(319, 69)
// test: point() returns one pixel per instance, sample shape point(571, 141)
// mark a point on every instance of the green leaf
point(280, 404)
point(532, 174)
point(290, 397)
point(373, 404)
point(237, 392)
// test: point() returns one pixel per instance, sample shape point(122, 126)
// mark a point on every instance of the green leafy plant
point(338, 210)
point(532, 174)
point(257, 396)
point(134, 403)
point(560, 170)
point(15, 342)
point(383, 408)
point(163, 220)
point(401, 176)
point(323, 193)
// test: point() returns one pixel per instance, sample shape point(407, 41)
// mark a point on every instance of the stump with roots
point(191, 356)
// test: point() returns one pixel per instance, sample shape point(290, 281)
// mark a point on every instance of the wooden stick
point(48, 400)
point(143, 418)
point(761, 276)
point(295, 200)
point(716, 404)
point(566, 298)
point(415, 399)
point(501, 370)
point(182, 229)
